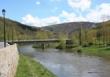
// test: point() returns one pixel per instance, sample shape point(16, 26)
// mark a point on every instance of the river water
point(69, 64)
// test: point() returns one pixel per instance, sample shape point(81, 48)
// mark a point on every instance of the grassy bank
point(97, 51)
point(30, 68)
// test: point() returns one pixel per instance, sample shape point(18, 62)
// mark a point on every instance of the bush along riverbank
point(96, 51)
point(29, 68)
point(88, 49)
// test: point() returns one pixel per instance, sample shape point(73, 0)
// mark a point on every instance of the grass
point(27, 67)
point(97, 51)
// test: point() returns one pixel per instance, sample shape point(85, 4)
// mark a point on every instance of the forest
point(81, 33)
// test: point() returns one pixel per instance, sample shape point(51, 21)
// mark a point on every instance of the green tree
point(41, 35)
point(62, 37)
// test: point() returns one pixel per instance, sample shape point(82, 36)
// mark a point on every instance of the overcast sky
point(46, 12)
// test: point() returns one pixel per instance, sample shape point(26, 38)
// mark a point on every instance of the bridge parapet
point(38, 41)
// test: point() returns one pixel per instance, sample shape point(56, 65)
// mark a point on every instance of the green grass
point(27, 67)
point(97, 51)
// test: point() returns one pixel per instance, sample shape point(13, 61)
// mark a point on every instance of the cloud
point(30, 20)
point(70, 17)
point(38, 22)
point(80, 4)
point(50, 20)
point(100, 13)
point(38, 3)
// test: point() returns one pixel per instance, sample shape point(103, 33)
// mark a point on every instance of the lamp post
point(3, 12)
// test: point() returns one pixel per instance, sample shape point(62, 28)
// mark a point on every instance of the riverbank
point(92, 50)
point(29, 68)
point(97, 51)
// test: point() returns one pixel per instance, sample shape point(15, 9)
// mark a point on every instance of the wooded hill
point(69, 27)
point(83, 32)
point(18, 31)
point(15, 30)
point(78, 31)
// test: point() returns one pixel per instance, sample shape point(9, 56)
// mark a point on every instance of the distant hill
point(83, 33)
point(70, 27)
point(16, 30)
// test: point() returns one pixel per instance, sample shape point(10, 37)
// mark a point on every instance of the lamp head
point(3, 11)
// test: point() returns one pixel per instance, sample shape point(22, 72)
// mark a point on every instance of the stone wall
point(9, 57)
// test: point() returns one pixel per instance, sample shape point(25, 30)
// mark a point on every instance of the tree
point(62, 37)
point(42, 35)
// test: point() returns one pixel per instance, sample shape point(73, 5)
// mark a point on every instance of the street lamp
point(3, 12)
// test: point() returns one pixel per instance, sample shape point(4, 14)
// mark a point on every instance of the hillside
point(70, 27)
point(16, 30)
point(83, 32)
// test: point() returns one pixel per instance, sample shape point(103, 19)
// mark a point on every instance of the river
point(68, 64)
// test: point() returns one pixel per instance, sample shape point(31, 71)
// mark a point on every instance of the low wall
point(8, 61)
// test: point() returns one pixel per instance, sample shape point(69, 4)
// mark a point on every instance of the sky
point(47, 12)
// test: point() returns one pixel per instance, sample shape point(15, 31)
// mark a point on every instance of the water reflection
point(68, 64)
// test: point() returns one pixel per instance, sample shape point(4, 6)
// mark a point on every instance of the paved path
point(2, 44)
